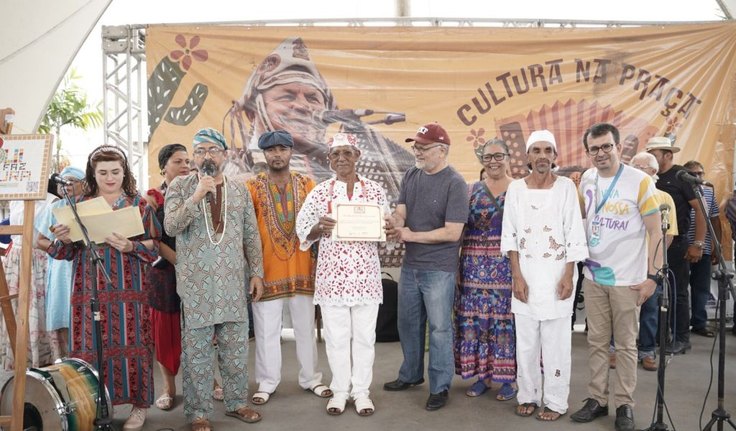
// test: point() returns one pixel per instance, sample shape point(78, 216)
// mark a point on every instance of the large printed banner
point(479, 83)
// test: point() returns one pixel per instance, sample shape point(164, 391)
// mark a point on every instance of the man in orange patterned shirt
point(278, 194)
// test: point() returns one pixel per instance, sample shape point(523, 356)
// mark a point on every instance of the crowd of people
point(487, 279)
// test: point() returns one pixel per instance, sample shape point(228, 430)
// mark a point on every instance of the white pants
point(340, 325)
point(551, 338)
point(267, 316)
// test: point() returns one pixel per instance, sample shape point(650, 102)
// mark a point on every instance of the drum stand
point(103, 421)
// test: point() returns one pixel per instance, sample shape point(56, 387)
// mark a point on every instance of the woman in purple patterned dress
point(485, 344)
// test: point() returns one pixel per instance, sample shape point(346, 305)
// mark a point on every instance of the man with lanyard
point(278, 195)
point(217, 247)
point(429, 218)
point(620, 209)
point(680, 255)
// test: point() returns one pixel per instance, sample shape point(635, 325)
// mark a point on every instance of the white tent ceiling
point(39, 41)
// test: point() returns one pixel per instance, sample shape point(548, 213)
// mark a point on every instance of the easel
point(18, 335)
point(31, 157)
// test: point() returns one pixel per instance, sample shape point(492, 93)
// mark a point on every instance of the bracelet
point(653, 277)
point(699, 244)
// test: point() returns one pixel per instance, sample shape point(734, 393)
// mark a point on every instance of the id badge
point(595, 230)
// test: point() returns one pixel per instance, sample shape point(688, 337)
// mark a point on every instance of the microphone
point(683, 175)
point(58, 179)
point(341, 115)
point(209, 168)
point(664, 209)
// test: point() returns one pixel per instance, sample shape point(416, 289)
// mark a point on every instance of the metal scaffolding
point(125, 95)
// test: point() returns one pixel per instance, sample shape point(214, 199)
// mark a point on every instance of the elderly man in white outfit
point(543, 235)
point(348, 281)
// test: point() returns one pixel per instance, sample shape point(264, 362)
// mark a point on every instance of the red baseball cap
point(430, 133)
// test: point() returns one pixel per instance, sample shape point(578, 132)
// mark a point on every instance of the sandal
point(218, 393)
point(705, 332)
point(526, 409)
point(245, 414)
point(477, 389)
point(506, 393)
point(165, 402)
point(548, 415)
point(260, 398)
point(321, 391)
point(201, 424)
point(364, 406)
point(336, 406)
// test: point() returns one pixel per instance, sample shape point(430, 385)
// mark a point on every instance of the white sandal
point(321, 391)
point(260, 398)
point(364, 406)
point(336, 406)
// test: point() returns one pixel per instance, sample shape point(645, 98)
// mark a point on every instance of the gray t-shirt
point(432, 200)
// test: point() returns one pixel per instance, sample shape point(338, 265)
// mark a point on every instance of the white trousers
point(340, 325)
point(552, 339)
point(267, 316)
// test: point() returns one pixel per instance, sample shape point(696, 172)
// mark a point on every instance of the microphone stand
point(103, 421)
point(663, 325)
point(725, 286)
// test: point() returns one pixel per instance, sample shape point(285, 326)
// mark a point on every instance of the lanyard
point(332, 189)
point(607, 194)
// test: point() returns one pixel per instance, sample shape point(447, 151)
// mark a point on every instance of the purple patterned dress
point(485, 344)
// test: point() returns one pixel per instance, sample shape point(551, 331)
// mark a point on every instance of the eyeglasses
point(593, 151)
point(336, 154)
point(422, 150)
point(212, 151)
point(495, 156)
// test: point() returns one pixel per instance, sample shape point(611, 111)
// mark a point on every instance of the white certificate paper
point(358, 222)
point(101, 221)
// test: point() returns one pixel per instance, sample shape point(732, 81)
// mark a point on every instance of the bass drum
point(58, 397)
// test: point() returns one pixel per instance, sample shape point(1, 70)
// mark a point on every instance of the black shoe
point(591, 410)
point(677, 348)
point(398, 385)
point(624, 418)
point(437, 401)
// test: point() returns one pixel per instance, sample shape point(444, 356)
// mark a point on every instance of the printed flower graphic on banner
point(476, 137)
point(188, 52)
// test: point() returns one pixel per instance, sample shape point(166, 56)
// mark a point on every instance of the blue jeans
point(699, 291)
point(426, 295)
point(648, 318)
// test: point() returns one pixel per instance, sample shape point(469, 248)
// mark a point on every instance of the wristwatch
point(699, 244)
point(653, 277)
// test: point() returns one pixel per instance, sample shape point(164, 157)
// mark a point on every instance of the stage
point(291, 408)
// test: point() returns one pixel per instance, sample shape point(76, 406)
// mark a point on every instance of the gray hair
point(649, 158)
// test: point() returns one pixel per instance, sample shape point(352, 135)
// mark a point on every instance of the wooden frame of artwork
point(24, 171)
point(24, 166)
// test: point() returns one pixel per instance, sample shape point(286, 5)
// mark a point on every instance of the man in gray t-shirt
point(429, 219)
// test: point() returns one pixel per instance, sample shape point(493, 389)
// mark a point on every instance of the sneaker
point(136, 420)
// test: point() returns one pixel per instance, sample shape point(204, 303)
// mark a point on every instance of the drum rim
point(56, 398)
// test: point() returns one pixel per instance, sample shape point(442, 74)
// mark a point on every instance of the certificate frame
point(360, 222)
point(25, 162)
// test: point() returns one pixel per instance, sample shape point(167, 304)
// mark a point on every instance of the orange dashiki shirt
point(287, 270)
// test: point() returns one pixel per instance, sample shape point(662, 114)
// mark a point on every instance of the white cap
point(343, 139)
point(541, 136)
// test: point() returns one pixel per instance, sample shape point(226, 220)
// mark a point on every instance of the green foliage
point(69, 107)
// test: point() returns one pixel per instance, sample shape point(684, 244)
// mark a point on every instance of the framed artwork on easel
point(24, 166)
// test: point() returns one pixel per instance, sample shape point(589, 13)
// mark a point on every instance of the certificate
point(101, 221)
point(358, 222)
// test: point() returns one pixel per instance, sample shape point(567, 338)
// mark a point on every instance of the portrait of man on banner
point(287, 92)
